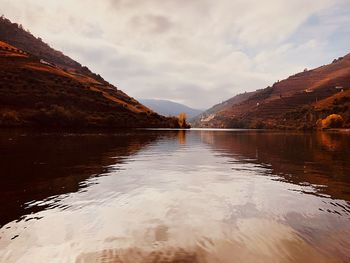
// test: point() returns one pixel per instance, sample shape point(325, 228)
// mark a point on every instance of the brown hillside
point(15, 35)
point(210, 113)
point(296, 102)
point(40, 86)
point(34, 92)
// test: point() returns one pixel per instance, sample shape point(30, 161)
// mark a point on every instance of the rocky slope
point(40, 86)
point(296, 102)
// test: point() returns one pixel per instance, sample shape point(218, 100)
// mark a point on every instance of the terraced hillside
point(209, 114)
point(37, 92)
point(15, 35)
point(296, 102)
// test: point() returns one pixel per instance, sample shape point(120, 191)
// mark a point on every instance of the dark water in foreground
point(175, 196)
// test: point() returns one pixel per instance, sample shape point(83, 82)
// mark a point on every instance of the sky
point(196, 52)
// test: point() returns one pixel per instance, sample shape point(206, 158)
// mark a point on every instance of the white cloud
point(199, 52)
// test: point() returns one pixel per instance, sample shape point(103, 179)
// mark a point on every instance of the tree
point(182, 120)
point(331, 121)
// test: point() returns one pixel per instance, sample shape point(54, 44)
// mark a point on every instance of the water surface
point(175, 196)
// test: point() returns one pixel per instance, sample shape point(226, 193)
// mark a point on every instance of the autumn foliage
point(182, 120)
point(331, 121)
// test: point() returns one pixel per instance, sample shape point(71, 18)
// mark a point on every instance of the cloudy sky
point(197, 52)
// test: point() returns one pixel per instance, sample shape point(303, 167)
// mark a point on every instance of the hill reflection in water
point(318, 159)
point(176, 196)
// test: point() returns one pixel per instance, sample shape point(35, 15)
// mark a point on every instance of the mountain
point(40, 86)
point(298, 102)
point(169, 108)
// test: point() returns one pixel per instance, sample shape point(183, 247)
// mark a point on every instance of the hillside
point(169, 108)
point(15, 35)
point(209, 114)
point(296, 102)
point(41, 87)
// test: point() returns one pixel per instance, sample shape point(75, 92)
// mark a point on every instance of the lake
point(175, 196)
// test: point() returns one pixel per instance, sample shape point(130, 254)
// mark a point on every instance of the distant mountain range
point(298, 102)
point(41, 87)
point(170, 108)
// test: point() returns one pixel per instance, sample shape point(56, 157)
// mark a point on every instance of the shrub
point(331, 121)
point(57, 116)
point(342, 100)
point(10, 118)
point(257, 125)
point(235, 123)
